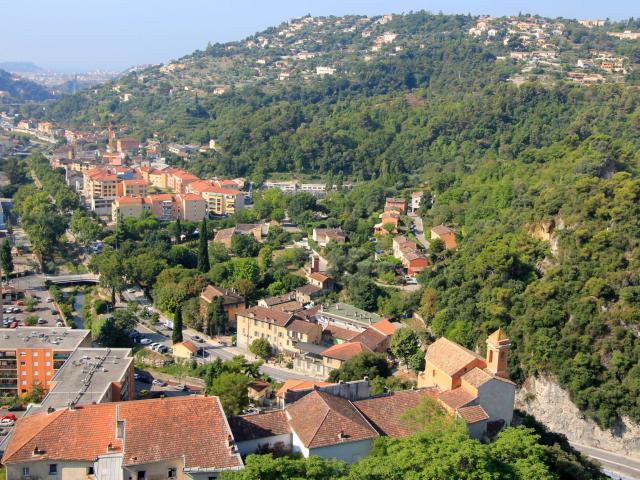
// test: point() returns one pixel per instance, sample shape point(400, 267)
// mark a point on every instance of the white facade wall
point(251, 446)
point(349, 452)
point(497, 399)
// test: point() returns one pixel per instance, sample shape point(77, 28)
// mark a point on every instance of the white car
point(59, 324)
point(145, 341)
point(7, 422)
point(131, 290)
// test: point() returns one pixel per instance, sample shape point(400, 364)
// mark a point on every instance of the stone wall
point(543, 398)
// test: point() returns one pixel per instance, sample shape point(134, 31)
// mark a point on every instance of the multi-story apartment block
point(220, 201)
point(31, 356)
point(163, 206)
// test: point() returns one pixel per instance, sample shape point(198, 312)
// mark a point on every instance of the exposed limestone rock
point(543, 398)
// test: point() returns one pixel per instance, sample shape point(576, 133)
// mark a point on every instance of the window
point(47, 354)
point(90, 471)
point(35, 354)
point(490, 356)
point(35, 372)
point(35, 364)
point(142, 475)
point(47, 364)
point(53, 469)
point(25, 471)
point(23, 363)
point(24, 373)
point(22, 354)
point(24, 382)
point(171, 473)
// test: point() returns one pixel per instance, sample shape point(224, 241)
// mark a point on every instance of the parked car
point(21, 303)
point(9, 416)
point(41, 321)
point(196, 338)
point(59, 324)
point(49, 299)
point(6, 422)
point(250, 411)
point(16, 408)
point(54, 311)
point(161, 383)
point(181, 387)
point(145, 341)
point(162, 349)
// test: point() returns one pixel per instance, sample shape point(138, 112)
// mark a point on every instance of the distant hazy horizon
point(74, 35)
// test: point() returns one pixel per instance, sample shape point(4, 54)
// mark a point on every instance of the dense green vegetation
point(499, 161)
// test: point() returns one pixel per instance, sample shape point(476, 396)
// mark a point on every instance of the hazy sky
point(115, 34)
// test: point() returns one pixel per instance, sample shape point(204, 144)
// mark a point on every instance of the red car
point(20, 303)
point(9, 416)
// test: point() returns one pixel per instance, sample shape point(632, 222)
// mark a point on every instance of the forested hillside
point(18, 89)
point(541, 181)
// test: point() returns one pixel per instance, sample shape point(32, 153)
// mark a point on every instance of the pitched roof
point(298, 385)
point(450, 357)
point(189, 346)
point(224, 233)
point(371, 338)
point(345, 351)
point(498, 338)
point(265, 314)
point(252, 427)
point(340, 333)
point(129, 200)
point(229, 297)
point(320, 419)
point(384, 412)
point(473, 414)
point(258, 385)
point(151, 430)
point(308, 289)
point(477, 377)
point(302, 326)
point(206, 186)
point(320, 277)
point(385, 327)
point(193, 428)
point(456, 398)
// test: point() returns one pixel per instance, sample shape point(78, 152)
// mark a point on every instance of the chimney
point(51, 410)
point(229, 440)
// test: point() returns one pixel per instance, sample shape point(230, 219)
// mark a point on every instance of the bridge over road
point(72, 279)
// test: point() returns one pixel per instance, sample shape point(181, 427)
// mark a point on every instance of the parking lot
point(44, 311)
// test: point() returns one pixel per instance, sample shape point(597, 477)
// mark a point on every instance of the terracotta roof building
point(446, 234)
point(161, 437)
point(231, 302)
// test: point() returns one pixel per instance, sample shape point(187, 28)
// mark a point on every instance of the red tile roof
point(385, 327)
point(456, 398)
point(129, 200)
point(298, 385)
point(268, 315)
point(340, 333)
point(320, 277)
point(229, 297)
point(345, 351)
point(370, 338)
point(473, 414)
point(320, 419)
point(251, 427)
point(450, 357)
point(192, 428)
point(385, 412)
point(189, 345)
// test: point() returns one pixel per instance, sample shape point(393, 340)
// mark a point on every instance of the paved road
point(626, 467)
point(73, 278)
point(419, 232)
point(211, 348)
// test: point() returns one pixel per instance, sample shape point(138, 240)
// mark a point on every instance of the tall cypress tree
point(216, 318)
point(6, 259)
point(203, 248)
point(177, 326)
point(177, 230)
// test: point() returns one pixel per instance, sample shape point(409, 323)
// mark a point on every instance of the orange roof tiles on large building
point(251, 427)
point(194, 429)
point(299, 385)
point(450, 357)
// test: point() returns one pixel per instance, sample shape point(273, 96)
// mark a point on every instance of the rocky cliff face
point(543, 398)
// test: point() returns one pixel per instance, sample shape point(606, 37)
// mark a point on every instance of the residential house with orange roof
point(325, 235)
point(232, 302)
point(388, 223)
point(135, 187)
point(446, 234)
point(178, 179)
point(128, 207)
point(395, 204)
point(184, 350)
point(180, 437)
point(334, 356)
point(413, 260)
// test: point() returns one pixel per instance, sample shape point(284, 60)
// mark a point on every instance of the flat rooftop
point(344, 311)
point(87, 375)
point(42, 337)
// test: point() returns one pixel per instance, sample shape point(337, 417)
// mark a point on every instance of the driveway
point(419, 232)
